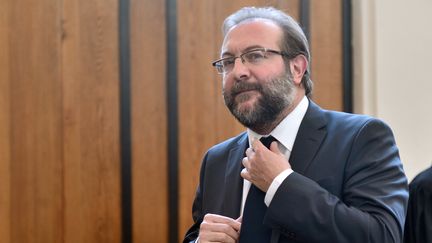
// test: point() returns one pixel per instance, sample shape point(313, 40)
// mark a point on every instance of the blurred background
point(107, 106)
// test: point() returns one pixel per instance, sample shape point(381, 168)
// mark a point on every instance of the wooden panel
point(91, 121)
point(36, 153)
point(326, 48)
point(291, 7)
point(149, 122)
point(5, 138)
point(203, 117)
point(59, 121)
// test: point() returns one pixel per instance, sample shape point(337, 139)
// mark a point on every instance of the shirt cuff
point(277, 181)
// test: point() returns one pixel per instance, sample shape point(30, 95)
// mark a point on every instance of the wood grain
point(35, 116)
point(91, 121)
point(149, 122)
point(5, 126)
point(326, 48)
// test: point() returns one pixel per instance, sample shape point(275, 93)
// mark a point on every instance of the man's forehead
point(253, 32)
point(252, 21)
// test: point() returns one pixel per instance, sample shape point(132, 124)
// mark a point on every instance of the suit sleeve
point(372, 204)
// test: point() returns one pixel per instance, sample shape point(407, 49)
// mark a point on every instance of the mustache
point(240, 87)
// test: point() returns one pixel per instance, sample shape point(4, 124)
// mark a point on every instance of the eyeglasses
point(254, 57)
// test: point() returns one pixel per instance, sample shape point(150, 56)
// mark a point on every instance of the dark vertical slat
point(347, 56)
point(172, 109)
point(305, 17)
point(125, 121)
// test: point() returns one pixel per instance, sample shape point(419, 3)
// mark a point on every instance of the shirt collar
point(286, 131)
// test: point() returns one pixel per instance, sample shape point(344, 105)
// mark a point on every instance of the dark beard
point(276, 95)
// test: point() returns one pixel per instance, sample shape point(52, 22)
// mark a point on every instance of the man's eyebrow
point(252, 48)
point(229, 54)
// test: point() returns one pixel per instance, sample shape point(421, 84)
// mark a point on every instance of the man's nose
point(240, 69)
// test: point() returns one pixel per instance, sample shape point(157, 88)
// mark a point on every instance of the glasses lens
point(219, 67)
point(225, 65)
point(255, 56)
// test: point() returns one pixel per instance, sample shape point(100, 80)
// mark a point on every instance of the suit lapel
point(309, 138)
point(233, 180)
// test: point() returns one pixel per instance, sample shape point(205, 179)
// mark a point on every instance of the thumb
point(239, 219)
point(257, 145)
point(275, 148)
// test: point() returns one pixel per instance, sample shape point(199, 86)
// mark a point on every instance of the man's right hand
point(218, 228)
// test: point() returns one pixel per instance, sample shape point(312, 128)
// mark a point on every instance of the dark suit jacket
point(348, 183)
point(418, 224)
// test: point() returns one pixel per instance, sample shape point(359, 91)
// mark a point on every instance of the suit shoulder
point(343, 119)
point(423, 181)
point(346, 117)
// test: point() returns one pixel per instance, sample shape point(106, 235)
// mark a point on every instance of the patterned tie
point(253, 230)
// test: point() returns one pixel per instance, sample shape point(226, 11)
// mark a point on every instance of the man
point(328, 177)
point(418, 225)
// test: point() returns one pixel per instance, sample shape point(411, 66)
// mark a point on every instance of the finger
point(274, 147)
point(219, 232)
point(245, 174)
point(257, 145)
point(249, 152)
point(216, 218)
point(236, 225)
point(225, 229)
point(245, 162)
point(239, 219)
point(208, 236)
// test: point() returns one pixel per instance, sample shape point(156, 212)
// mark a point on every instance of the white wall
point(392, 65)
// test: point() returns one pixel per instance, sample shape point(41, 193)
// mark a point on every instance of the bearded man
point(299, 173)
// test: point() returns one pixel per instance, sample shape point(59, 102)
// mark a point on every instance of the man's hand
point(263, 165)
point(218, 228)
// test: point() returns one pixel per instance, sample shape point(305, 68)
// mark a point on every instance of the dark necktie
point(253, 230)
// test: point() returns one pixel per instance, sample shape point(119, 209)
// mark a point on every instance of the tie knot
point(266, 141)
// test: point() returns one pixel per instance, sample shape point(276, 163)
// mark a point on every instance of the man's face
point(256, 94)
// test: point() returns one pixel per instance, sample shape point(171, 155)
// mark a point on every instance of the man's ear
point(298, 66)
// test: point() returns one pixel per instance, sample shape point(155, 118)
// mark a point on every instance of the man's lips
point(244, 91)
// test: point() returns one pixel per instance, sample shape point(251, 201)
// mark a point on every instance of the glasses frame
point(219, 67)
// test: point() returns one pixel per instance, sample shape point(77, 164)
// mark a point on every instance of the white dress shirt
point(285, 133)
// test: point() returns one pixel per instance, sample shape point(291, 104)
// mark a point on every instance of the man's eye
point(255, 56)
point(228, 62)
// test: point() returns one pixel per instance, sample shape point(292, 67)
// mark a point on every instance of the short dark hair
point(294, 40)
